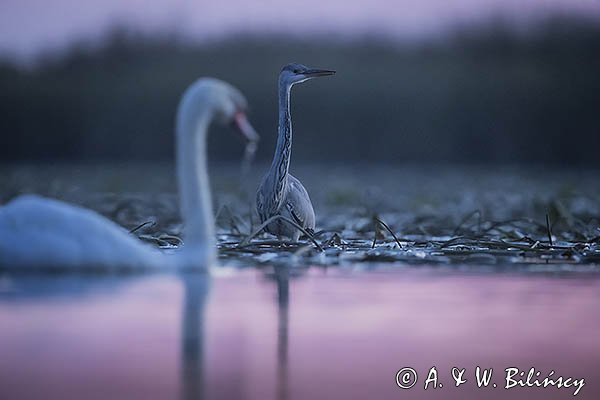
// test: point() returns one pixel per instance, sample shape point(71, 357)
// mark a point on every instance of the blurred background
point(461, 81)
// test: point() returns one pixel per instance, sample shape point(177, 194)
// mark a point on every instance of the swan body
point(43, 233)
point(280, 193)
point(38, 232)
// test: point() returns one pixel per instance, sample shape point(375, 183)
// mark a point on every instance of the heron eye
point(296, 71)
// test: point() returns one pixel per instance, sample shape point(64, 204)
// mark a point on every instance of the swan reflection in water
point(93, 324)
point(196, 287)
point(167, 336)
point(193, 371)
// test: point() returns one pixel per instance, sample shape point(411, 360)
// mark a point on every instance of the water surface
point(280, 333)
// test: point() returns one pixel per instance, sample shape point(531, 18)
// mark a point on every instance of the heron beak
point(242, 125)
point(315, 73)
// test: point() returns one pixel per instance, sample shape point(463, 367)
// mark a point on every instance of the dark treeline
point(483, 96)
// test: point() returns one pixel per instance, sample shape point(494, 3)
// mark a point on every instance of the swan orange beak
point(243, 126)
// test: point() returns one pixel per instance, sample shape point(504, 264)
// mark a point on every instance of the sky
point(28, 27)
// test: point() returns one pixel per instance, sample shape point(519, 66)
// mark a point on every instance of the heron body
point(280, 193)
point(42, 233)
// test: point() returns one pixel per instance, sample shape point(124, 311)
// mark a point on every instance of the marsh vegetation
point(536, 219)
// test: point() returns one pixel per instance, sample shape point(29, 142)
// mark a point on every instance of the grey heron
point(280, 193)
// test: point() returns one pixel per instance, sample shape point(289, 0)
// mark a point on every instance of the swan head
point(294, 73)
point(227, 104)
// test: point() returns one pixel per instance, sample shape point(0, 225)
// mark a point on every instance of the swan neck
point(194, 186)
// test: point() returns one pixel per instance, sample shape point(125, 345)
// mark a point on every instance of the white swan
point(42, 233)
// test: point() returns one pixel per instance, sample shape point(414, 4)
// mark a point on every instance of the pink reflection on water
point(92, 348)
point(343, 336)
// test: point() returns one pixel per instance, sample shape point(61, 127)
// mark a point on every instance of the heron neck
point(283, 151)
point(194, 188)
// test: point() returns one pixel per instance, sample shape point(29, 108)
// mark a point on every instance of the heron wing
point(297, 218)
point(298, 204)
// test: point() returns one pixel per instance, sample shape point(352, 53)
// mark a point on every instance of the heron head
point(297, 73)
